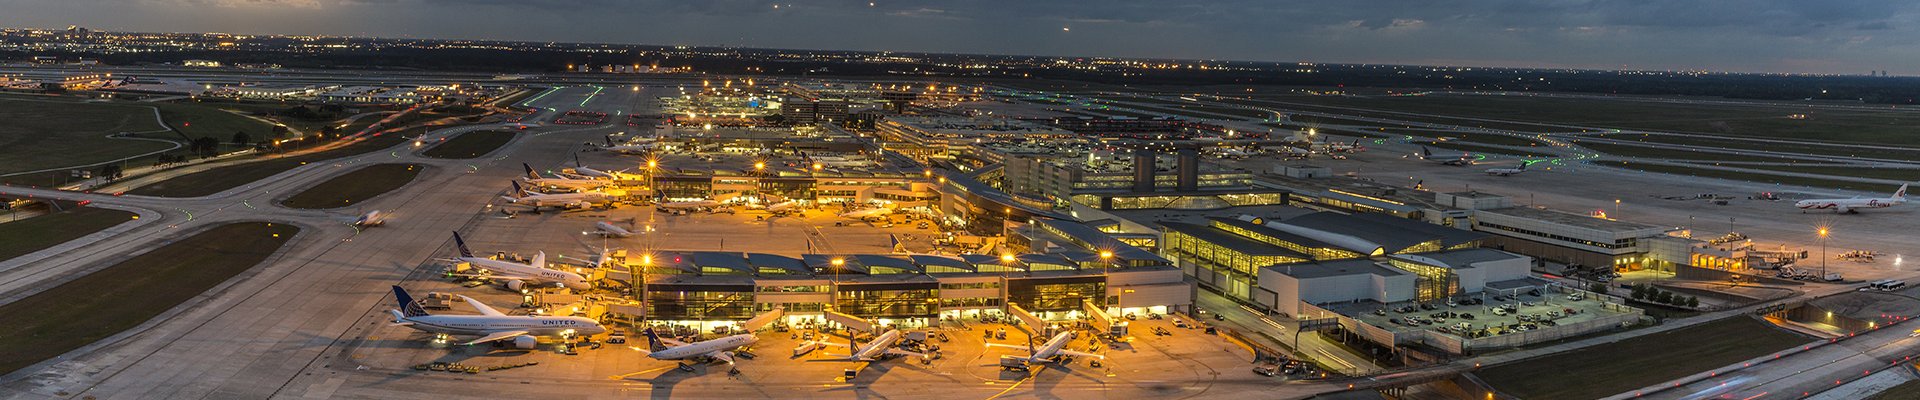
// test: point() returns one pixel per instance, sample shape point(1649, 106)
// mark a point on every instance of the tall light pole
point(1823, 252)
point(1106, 274)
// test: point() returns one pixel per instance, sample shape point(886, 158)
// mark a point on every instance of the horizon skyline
point(1837, 41)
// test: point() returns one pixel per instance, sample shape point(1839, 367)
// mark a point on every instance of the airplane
point(1050, 352)
point(783, 207)
point(533, 178)
point(687, 205)
point(717, 349)
point(864, 214)
point(582, 171)
point(1509, 171)
point(491, 325)
point(645, 147)
point(524, 197)
point(1851, 206)
point(1464, 159)
point(608, 229)
point(880, 345)
point(371, 219)
point(516, 276)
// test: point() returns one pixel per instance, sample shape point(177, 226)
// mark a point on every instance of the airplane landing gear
point(735, 371)
point(685, 367)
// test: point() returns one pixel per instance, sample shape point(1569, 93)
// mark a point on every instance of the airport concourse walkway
point(1279, 333)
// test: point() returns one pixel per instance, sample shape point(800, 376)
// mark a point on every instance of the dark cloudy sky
point(1818, 36)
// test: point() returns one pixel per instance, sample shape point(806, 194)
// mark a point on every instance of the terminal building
point(927, 138)
point(1322, 257)
point(717, 288)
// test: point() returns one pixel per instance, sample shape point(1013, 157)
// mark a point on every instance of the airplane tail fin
point(1901, 194)
point(518, 191)
point(530, 173)
point(539, 259)
point(408, 308)
point(460, 244)
point(653, 341)
point(1425, 153)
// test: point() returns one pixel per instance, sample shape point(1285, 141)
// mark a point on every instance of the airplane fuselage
point(481, 325)
point(533, 275)
point(699, 349)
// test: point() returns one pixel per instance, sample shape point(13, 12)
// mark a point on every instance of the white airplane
point(687, 205)
point(371, 219)
point(717, 349)
point(863, 214)
point(516, 276)
point(533, 178)
point(584, 172)
point(783, 207)
point(1464, 159)
point(1853, 205)
point(491, 324)
point(880, 345)
point(608, 229)
point(1509, 171)
point(646, 146)
point(1051, 351)
point(524, 197)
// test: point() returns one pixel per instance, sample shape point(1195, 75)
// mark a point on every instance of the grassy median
point(470, 144)
point(222, 178)
point(1613, 368)
point(33, 234)
point(1760, 177)
point(355, 187)
point(127, 294)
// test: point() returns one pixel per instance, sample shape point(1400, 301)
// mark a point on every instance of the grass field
point(1771, 121)
point(1513, 126)
point(1473, 148)
point(33, 234)
point(197, 121)
point(355, 187)
point(1614, 368)
point(127, 294)
point(1488, 138)
point(1904, 391)
point(1750, 176)
point(222, 178)
point(50, 132)
point(1887, 152)
point(1674, 154)
point(1857, 172)
point(470, 144)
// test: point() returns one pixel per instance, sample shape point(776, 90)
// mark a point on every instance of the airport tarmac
point(1579, 188)
point(1186, 364)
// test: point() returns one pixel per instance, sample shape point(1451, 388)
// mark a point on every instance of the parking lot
point(1494, 315)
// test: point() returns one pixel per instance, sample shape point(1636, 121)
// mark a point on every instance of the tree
point(109, 172)
point(242, 138)
point(1639, 291)
point(1597, 287)
point(1663, 297)
point(1693, 302)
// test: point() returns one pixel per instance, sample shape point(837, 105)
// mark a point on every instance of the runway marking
point(1016, 384)
point(626, 375)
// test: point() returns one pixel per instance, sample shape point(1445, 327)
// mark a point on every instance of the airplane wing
point(483, 308)
point(722, 356)
point(906, 353)
point(1079, 354)
point(1009, 346)
point(826, 343)
point(502, 335)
